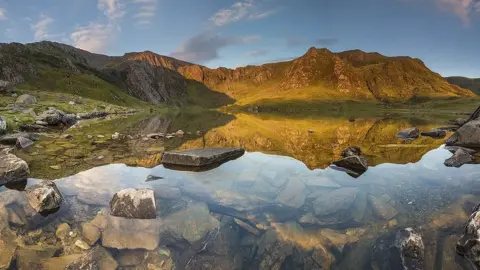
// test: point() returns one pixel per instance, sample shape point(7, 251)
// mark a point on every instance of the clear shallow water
point(264, 211)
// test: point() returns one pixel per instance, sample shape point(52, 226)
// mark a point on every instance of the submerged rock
point(336, 201)
point(8, 247)
point(122, 233)
point(460, 158)
point(201, 157)
point(134, 203)
point(97, 258)
point(90, 233)
point(381, 208)
point(410, 244)
point(12, 168)
point(293, 194)
point(436, 133)
point(467, 136)
point(26, 100)
point(23, 142)
point(409, 133)
point(44, 196)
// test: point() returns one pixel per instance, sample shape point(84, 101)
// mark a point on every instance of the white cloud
point(146, 11)
point(93, 37)
point(461, 8)
point(3, 14)
point(41, 27)
point(113, 9)
point(239, 11)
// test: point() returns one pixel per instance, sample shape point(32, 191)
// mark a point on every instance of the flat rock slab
point(201, 157)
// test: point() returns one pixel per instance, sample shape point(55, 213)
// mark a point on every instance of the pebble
point(89, 136)
point(100, 136)
point(72, 234)
point(81, 244)
point(100, 157)
point(116, 136)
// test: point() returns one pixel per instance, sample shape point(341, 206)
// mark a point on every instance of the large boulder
point(460, 158)
point(134, 203)
point(55, 117)
point(12, 168)
point(469, 243)
point(3, 125)
point(44, 197)
point(26, 100)
point(467, 136)
point(337, 201)
point(409, 133)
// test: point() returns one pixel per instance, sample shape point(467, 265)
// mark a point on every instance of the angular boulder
point(26, 100)
point(410, 245)
point(356, 164)
point(12, 168)
point(44, 197)
point(23, 142)
point(435, 133)
point(468, 245)
point(3, 125)
point(409, 133)
point(134, 203)
point(467, 136)
point(201, 157)
point(459, 158)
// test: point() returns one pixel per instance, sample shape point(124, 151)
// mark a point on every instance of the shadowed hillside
point(467, 83)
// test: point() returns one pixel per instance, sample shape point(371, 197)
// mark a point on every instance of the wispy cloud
point(463, 9)
point(113, 9)
point(40, 28)
point(239, 11)
point(257, 53)
point(293, 42)
point(326, 42)
point(205, 46)
point(94, 37)
point(146, 11)
point(3, 14)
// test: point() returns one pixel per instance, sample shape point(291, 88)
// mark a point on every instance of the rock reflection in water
point(257, 212)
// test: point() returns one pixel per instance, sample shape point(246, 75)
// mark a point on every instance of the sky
point(445, 34)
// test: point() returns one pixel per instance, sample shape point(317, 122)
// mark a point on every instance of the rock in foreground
point(411, 247)
point(467, 136)
point(460, 158)
point(409, 133)
point(12, 168)
point(201, 157)
point(134, 203)
point(469, 243)
point(44, 197)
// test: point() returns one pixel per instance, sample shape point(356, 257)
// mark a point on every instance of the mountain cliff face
point(319, 74)
point(467, 83)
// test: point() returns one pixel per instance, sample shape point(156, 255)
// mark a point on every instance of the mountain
point(318, 75)
point(467, 83)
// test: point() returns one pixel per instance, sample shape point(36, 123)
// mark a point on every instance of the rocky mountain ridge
point(318, 74)
point(467, 83)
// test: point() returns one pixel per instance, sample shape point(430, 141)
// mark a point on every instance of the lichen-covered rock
point(134, 203)
point(26, 100)
point(410, 244)
point(12, 168)
point(460, 158)
point(469, 243)
point(3, 125)
point(44, 196)
point(97, 258)
point(51, 116)
point(5, 87)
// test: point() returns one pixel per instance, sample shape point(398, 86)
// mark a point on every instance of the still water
point(279, 206)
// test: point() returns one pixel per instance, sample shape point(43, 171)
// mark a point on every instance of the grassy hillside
point(472, 84)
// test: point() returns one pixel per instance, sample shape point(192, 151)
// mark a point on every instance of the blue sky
point(445, 34)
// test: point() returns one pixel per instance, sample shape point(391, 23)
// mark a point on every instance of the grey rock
point(69, 119)
point(381, 208)
point(468, 245)
point(44, 196)
point(293, 194)
point(134, 203)
point(448, 128)
point(12, 168)
point(30, 127)
point(335, 201)
point(458, 121)
point(201, 157)
point(41, 123)
point(97, 258)
point(11, 139)
point(467, 136)
point(357, 164)
point(409, 133)
point(5, 87)
point(26, 100)
point(460, 158)
point(410, 244)
point(454, 149)
point(351, 151)
point(23, 142)
point(436, 133)
point(51, 116)
point(3, 125)
point(155, 136)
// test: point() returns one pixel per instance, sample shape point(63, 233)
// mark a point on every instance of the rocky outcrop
point(134, 203)
point(26, 100)
point(44, 197)
point(409, 133)
point(459, 158)
point(3, 125)
point(201, 157)
point(467, 136)
point(12, 168)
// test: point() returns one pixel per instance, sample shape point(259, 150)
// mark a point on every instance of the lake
point(279, 206)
